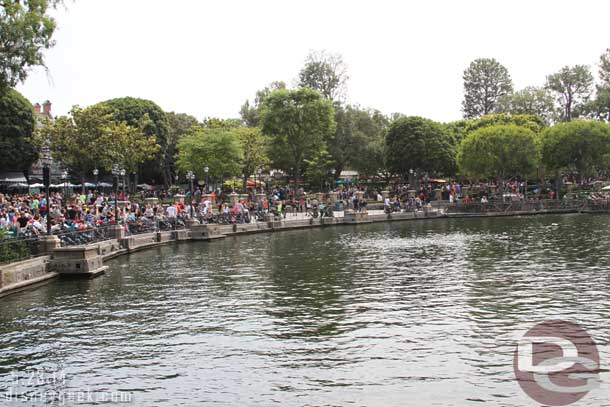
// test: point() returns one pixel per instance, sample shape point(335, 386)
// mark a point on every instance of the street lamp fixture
point(115, 177)
point(190, 176)
point(123, 172)
point(207, 184)
point(64, 177)
point(46, 176)
point(96, 172)
point(259, 172)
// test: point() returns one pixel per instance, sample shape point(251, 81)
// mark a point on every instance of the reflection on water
point(401, 314)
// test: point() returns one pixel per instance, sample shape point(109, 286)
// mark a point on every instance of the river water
point(398, 314)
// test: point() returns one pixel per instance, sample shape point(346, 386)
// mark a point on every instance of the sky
point(205, 58)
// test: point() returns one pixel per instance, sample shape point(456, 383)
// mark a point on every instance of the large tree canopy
point(250, 113)
point(572, 87)
point(326, 73)
point(254, 150)
point(179, 125)
point(216, 148)
point(582, 146)
point(485, 82)
point(356, 129)
point(600, 108)
point(498, 151)
point(298, 123)
point(148, 116)
point(419, 144)
point(16, 129)
point(90, 138)
point(26, 29)
point(532, 122)
point(529, 101)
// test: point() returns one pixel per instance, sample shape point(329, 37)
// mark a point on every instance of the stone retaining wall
point(16, 276)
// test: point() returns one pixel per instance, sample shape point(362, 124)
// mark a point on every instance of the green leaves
point(572, 88)
point(91, 138)
point(419, 144)
point(485, 82)
point(326, 73)
point(16, 132)
point(579, 145)
point(153, 120)
point(498, 151)
point(529, 101)
point(216, 148)
point(298, 122)
point(26, 32)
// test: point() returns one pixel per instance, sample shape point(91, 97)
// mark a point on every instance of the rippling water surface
point(402, 314)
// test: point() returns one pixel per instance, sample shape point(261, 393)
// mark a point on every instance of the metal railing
point(83, 237)
point(16, 249)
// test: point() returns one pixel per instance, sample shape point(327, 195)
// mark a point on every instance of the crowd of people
point(25, 215)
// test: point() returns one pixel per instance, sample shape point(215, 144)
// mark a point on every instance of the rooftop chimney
point(46, 108)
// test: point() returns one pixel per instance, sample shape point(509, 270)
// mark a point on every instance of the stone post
point(234, 198)
point(117, 232)
point(47, 244)
point(334, 197)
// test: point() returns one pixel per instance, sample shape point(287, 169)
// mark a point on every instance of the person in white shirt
point(171, 211)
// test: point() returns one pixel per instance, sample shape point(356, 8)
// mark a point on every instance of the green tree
point(498, 151)
point(216, 148)
point(16, 132)
point(326, 73)
point(419, 144)
point(374, 161)
point(218, 123)
point(358, 131)
point(26, 31)
point(298, 122)
point(600, 107)
point(254, 150)
point(132, 111)
point(90, 138)
point(572, 88)
point(318, 168)
point(532, 122)
point(250, 113)
point(179, 124)
point(529, 101)
point(581, 146)
point(486, 81)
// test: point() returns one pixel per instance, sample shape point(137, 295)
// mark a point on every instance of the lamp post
point(190, 176)
point(260, 172)
point(123, 172)
point(96, 173)
point(411, 178)
point(115, 177)
point(332, 180)
point(207, 184)
point(46, 176)
point(64, 177)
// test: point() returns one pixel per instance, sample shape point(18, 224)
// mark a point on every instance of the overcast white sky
point(206, 58)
